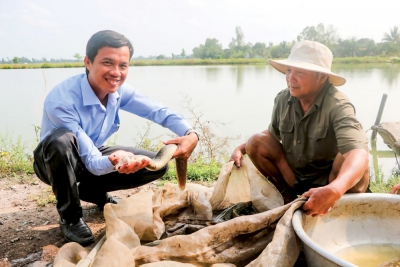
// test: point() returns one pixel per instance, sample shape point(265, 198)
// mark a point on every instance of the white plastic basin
point(356, 219)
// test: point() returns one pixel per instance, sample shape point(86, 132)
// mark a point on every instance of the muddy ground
point(30, 234)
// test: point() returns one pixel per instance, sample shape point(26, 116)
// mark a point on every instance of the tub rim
point(297, 225)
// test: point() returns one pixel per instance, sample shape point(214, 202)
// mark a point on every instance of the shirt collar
point(318, 100)
point(89, 97)
point(320, 97)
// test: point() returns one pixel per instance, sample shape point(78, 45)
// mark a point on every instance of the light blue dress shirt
point(73, 105)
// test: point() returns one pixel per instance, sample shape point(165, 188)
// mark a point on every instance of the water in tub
point(370, 255)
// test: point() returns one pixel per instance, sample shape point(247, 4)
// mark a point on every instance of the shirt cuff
point(106, 165)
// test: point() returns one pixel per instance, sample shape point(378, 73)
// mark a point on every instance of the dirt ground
point(29, 234)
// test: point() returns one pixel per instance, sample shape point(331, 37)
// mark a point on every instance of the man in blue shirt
point(79, 115)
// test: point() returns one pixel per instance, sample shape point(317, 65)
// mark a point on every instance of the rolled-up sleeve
point(348, 130)
point(273, 127)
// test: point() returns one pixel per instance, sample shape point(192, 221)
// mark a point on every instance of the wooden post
point(379, 116)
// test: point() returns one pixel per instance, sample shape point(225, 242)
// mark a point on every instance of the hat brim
point(281, 66)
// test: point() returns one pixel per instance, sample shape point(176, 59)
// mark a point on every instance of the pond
point(241, 96)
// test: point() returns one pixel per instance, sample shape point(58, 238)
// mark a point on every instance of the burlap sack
point(263, 239)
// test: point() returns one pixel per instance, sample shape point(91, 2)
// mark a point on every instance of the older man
point(314, 145)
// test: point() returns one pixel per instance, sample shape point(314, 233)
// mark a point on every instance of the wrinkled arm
point(353, 168)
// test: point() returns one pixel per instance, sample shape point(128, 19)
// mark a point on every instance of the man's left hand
point(117, 157)
point(320, 200)
point(186, 145)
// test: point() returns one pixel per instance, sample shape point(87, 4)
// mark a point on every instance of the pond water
point(240, 96)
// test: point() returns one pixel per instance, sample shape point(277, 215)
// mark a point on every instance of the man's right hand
point(237, 155)
point(127, 168)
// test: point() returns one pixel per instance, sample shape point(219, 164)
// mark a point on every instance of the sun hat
point(311, 56)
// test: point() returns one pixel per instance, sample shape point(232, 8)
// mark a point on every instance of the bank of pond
point(196, 61)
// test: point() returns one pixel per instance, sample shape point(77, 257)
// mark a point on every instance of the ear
point(87, 62)
point(323, 77)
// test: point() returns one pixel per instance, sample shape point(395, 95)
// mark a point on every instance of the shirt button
point(298, 141)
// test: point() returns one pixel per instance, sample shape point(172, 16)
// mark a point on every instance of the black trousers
point(57, 163)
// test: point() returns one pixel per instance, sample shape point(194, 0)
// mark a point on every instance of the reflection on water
point(212, 73)
point(390, 73)
point(240, 95)
point(370, 255)
point(238, 73)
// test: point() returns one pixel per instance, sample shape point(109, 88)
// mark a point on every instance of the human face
point(108, 70)
point(304, 84)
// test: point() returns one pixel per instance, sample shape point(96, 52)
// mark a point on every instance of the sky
point(60, 29)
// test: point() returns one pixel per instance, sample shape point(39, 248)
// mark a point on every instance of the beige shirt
point(311, 141)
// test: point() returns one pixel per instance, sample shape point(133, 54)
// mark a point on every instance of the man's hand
point(186, 144)
point(237, 155)
point(320, 200)
point(395, 189)
point(127, 166)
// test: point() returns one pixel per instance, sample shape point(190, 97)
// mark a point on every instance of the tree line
point(352, 47)
point(238, 48)
point(23, 60)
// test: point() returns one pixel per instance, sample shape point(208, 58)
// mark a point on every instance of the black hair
point(106, 38)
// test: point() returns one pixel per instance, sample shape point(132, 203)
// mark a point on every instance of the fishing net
point(240, 222)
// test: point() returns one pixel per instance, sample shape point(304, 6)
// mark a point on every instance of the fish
point(163, 156)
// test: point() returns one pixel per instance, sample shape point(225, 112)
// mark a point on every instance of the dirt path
point(29, 234)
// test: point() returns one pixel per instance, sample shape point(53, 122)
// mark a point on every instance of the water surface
point(241, 96)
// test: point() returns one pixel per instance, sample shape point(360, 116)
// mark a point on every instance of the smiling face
point(108, 70)
point(304, 84)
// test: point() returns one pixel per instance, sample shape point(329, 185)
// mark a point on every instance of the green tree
point(211, 49)
point(260, 50)
point(78, 57)
point(366, 47)
point(238, 48)
point(391, 41)
point(393, 36)
point(183, 54)
point(16, 60)
point(237, 42)
point(347, 47)
point(320, 33)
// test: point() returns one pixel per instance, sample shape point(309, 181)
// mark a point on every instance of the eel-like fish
point(160, 160)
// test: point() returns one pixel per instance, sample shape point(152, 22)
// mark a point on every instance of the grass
point(362, 60)
point(13, 159)
point(197, 61)
point(381, 184)
point(44, 198)
point(197, 171)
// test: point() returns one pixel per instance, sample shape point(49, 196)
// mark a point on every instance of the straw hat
point(312, 56)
